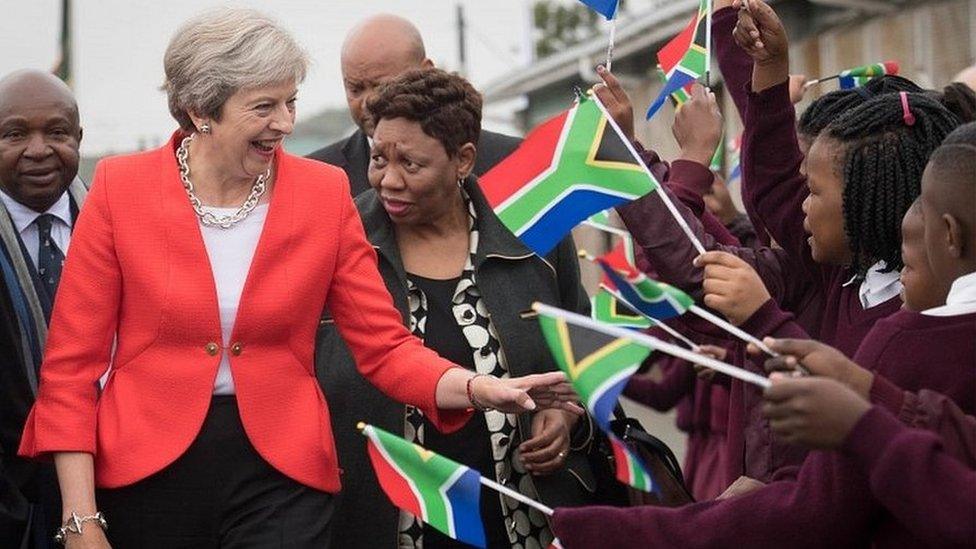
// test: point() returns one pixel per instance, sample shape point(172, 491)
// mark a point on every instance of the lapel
point(186, 239)
point(495, 240)
point(356, 151)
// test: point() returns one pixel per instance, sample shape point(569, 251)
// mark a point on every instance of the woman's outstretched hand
point(524, 394)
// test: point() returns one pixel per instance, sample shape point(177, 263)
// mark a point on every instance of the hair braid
point(883, 164)
point(829, 106)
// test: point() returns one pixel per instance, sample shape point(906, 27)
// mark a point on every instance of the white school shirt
point(24, 217)
point(231, 251)
point(961, 299)
point(877, 287)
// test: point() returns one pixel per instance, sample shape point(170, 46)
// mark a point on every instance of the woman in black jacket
point(461, 280)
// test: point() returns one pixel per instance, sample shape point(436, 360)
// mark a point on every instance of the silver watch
point(75, 524)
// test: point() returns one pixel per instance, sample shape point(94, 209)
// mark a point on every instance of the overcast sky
point(119, 45)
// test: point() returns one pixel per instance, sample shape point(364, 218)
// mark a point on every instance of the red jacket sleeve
point(83, 327)
point(386, 353)
point(928, 488)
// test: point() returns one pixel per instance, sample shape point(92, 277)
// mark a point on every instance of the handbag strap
point(635, 431)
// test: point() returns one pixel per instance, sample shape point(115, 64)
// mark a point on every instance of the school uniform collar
point(961, 299)
point(877, 286)
point(23, 217)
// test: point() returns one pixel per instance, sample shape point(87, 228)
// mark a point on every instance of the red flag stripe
point(393, 483)
point(533, 157)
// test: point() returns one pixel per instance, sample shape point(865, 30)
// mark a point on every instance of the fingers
point(798, 348)
point(782, 363)
point(540, 380)
point(717, 258)
point(613, 85)
point(548, 450)
point(714, 351)
point(762, 14)
point(720, 272)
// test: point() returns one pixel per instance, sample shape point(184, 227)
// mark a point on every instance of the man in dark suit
point(375, 51)
point(40, 195)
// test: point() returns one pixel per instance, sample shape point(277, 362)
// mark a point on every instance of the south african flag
point(441, 492)
point(567, 169)
point(683, 59)
point(858, 76)
point(599, 366)
point(650, 297)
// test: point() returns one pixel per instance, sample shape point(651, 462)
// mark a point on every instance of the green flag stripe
point(574, 168)
point(426, 477)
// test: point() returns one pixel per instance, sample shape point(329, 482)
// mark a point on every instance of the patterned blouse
point(527, 527)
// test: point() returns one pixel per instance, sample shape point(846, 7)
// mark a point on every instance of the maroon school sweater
point(831, 503)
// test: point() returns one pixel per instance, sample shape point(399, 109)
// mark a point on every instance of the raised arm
point(734, 63)
point(771, 180)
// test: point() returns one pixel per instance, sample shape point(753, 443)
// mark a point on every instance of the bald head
point(967, 76)
point(39, 138)
point(375, 51)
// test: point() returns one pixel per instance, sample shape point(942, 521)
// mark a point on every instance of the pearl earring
point(205, 128)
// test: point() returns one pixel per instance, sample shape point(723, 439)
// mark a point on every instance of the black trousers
point(219, 494)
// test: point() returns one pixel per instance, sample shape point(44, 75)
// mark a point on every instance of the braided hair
point(884, 155)
point(829, 106)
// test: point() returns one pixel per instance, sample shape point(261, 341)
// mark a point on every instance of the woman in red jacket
point(197, 275)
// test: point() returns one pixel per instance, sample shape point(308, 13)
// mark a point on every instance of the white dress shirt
point(877, 287)
point(231, 251)
point(24, 217)
point(961, 299)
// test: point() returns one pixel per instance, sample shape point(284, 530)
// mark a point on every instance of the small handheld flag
point(441, 492)
point(607, 308)
point(599, 367)
point(606, 8)
point(858, 76)
point(685, 58)
point(648, 341)
point(654, 299)
point(662, 301)
point(572, 166)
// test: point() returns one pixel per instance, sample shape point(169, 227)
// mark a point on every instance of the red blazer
point(138, 269)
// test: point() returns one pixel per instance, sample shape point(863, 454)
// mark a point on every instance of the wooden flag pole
point(654, 343)
point(506, 491)
point(660, 191)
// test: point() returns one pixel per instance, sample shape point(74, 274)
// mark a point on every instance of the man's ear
point(955, 237)
point(427, 63)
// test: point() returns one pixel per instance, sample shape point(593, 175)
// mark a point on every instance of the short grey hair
point(219, 52)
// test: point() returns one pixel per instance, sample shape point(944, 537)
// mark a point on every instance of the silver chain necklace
point(209, 218)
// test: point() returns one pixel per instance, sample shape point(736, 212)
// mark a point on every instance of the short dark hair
point(446, 106)
point(884, 157)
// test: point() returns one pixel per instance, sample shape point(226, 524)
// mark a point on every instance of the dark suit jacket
point(28, 490)
point(352, 155)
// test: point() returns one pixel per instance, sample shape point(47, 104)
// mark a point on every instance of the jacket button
point(236, 349)
point(211, 348)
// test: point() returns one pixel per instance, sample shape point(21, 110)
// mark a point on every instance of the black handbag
point(670, 489)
